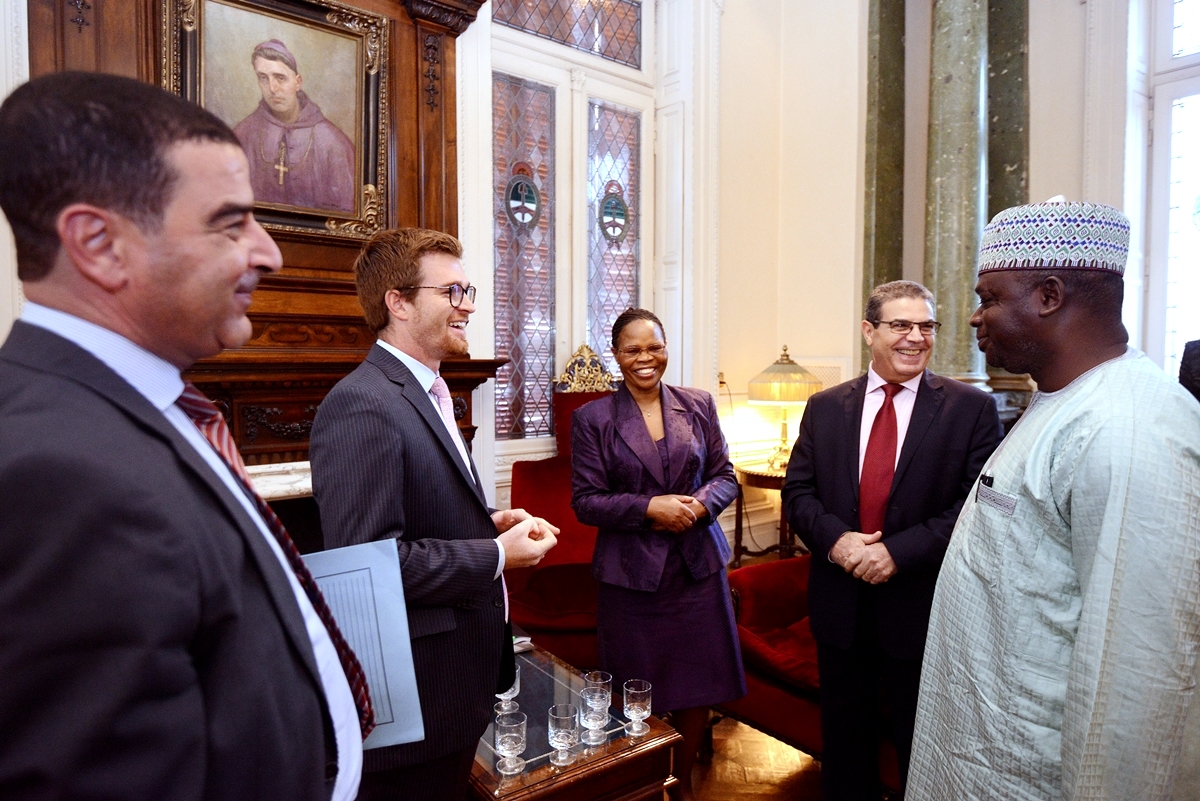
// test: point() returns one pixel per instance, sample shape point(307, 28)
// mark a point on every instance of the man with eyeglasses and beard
point(388, 461)
point(877, 477)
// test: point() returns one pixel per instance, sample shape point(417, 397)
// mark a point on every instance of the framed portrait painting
point(303, 84)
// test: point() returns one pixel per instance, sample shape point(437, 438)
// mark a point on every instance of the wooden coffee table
point(624, 768)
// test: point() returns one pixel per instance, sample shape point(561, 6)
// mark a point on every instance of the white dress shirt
point(872, 402)
point(425, 378)
point(160, 383)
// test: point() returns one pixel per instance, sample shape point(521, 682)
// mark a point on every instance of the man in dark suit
point(876, 480)
point(155, 641)
point(388, 461)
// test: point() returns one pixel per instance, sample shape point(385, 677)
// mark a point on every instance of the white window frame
point(1171, 79)
point(1164, 21)
point(579, 77)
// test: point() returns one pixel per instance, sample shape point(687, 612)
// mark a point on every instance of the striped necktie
point(212, 425)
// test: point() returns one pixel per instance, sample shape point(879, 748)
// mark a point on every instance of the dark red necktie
point(212, 425)
point(879, 465)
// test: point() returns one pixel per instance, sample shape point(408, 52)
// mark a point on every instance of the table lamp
point(784, 384)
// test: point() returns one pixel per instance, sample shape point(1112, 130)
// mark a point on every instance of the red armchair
point(555, 602)
point(780, 655)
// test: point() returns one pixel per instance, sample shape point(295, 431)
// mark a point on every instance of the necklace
point(282, 166)
point(647, 412)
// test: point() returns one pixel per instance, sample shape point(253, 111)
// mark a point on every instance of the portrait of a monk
point(297, 156)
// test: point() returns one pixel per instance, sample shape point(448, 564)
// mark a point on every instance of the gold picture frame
point(304, 84)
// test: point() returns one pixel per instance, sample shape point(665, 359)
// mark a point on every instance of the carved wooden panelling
point(308, 329)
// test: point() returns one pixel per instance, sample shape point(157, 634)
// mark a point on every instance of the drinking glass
point(637, 706)
point(507, 704)
point(595, 713)
point(510, 742)
point(598, 678)
point(563, 732)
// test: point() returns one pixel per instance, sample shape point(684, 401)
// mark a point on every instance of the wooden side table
point(762, 477)
point(622, 769)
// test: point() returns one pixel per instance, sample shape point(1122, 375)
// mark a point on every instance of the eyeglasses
point(927, 328)
point(456, 292)
point(656, 350)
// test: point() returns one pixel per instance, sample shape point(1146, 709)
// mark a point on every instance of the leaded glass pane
point(614, 184)
point(611, 29)
point(523, 181)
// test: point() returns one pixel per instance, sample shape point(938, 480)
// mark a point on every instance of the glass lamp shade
point(784, 383)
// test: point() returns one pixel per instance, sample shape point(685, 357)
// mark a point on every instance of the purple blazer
point(616, 469)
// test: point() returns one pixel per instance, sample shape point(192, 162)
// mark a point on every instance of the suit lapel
point(632, 429)
point(52, 353)
point(852, 411)
point(411, 390)
point(677, 425)
point(925, 410)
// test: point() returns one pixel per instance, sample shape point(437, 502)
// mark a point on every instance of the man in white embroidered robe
point(1062, 645)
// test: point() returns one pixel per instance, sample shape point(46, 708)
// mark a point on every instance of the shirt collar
point(423, 374)
point(155, 378)
point(874, 382)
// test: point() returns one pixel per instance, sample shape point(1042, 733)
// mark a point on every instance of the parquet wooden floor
point(748, 764)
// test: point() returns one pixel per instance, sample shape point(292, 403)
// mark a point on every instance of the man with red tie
point(876, 480)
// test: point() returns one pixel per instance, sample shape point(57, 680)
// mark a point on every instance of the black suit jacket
point(150, 644)
point(383, 465)
point(953, 430)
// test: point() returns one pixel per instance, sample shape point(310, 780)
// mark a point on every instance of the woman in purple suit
point(651, 470)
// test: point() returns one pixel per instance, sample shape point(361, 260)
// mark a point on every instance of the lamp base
point(778, 460)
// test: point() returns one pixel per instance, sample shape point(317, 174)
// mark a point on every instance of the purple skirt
point(682, 639)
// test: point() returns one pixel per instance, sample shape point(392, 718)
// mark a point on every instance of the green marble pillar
point(956, 185)
point(1008, 139)
point(883, 218)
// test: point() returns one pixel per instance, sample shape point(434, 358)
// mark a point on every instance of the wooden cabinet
point(308, 326)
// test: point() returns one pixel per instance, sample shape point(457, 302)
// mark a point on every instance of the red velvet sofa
point(780, 656)
point(555, 602)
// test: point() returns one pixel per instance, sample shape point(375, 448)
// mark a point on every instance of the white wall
point(792, 126)
point(14, 70)
point(1057, 44)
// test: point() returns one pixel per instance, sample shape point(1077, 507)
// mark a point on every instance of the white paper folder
point(361, 584)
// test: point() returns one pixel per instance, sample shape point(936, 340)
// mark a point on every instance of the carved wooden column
point(437, 23)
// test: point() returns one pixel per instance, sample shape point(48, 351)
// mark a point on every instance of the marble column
point(1008, 140)
point(883, 217)
point(956, 186)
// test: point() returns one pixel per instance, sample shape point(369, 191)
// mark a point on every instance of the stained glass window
point(611, 29)
point(523, 213)
point(614, 259)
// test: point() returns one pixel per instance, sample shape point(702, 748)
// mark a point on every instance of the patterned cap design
point(1072, 236)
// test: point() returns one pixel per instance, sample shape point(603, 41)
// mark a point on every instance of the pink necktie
point(212, 425)
point(879, 465)
point(441, 391)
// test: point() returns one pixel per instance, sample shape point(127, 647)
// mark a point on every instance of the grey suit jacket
point(383, 465)
point(150, 644)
